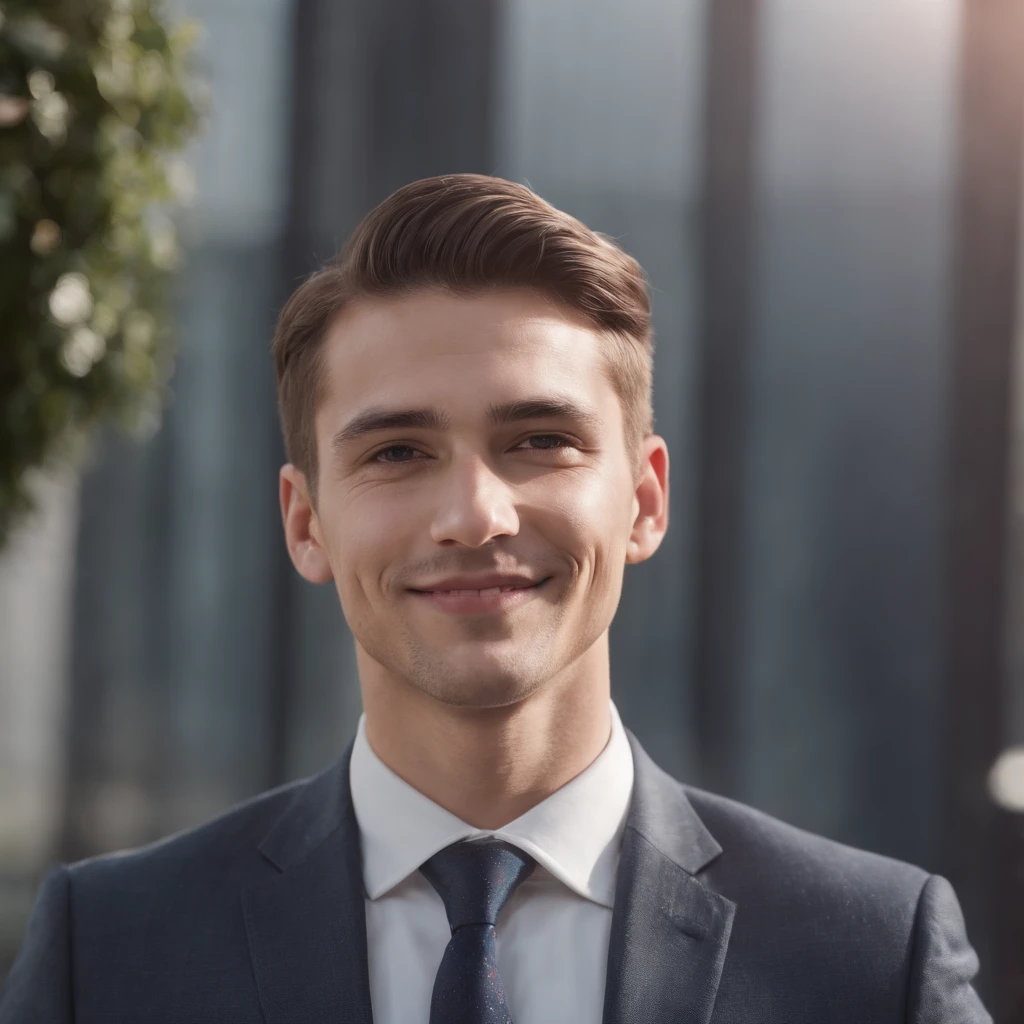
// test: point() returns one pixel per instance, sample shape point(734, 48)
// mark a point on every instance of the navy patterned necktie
point(475, 880)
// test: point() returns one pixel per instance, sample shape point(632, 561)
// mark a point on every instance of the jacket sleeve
point(38, 988)
point(943, 964)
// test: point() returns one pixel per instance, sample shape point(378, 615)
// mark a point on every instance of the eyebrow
point(374, 419)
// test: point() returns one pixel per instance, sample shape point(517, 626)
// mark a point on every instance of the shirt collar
point(575, 833)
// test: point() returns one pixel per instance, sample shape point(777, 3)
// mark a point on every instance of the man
point(466, 403)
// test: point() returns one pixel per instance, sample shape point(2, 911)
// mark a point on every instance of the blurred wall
point(35, 634)
point(842, 560)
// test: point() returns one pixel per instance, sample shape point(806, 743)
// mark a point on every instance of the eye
point(566, 442)
point(379, 457)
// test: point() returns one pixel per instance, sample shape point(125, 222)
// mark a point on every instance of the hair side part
point(469, 233)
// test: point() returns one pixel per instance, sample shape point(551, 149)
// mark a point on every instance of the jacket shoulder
point(862, 936)
point(227, 843)
point(793, 857)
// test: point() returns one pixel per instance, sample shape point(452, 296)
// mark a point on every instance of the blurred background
point(826, 197)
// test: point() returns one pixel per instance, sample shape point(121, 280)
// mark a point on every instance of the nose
point(473, 504)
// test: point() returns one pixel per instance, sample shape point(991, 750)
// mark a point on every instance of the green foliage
point(96, 97)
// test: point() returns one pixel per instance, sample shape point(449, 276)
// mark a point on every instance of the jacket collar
point(664, 816)
point(670, 933)
point(321, 805)
point(307, 925)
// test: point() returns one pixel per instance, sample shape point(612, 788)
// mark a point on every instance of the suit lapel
point(307, 926)
point(669, 932)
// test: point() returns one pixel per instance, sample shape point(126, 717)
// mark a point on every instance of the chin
point(476, 692)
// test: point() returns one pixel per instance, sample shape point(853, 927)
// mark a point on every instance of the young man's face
point(403, 509)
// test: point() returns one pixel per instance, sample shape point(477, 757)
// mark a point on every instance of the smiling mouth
point(490, 599)
point(486, 592)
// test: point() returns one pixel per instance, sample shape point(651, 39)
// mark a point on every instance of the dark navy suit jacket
point(722, 914)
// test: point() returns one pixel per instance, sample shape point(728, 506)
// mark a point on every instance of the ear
point(302, 531)
point(650, 501)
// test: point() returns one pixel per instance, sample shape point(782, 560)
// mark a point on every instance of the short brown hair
point(468, 233)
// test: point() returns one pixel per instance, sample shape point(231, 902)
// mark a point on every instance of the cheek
point(592, 522)
point(373, 537)
point(361, 516)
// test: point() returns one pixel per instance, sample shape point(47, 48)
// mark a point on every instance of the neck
point(488, 766)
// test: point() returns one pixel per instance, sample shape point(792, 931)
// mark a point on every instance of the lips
point(486, 591)
point(486, 600)
point(499, 582)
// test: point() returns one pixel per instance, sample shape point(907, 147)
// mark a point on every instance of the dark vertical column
point(979, 862)
point(430, 90)
point(112, 776)
point(725, 295)
point(307, 18)
point(384, 92)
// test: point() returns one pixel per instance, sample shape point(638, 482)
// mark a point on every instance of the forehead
point(434, 341)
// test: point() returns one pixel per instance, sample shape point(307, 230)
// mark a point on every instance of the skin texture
point(485, 714)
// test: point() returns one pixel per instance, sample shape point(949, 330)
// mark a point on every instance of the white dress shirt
point(552, 936)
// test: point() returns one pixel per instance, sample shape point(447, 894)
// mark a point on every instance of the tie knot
point(476, 878)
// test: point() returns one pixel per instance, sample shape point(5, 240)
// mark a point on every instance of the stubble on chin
point(484, 689)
